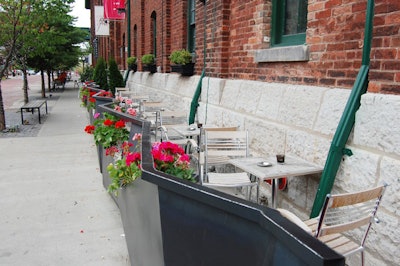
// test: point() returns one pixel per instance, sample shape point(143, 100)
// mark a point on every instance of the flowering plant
point(108, 131)
point(126, 167)
point(86, 95)
point(125, 105)
point(168, 157)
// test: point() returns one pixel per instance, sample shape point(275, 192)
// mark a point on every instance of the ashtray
point(264, 164)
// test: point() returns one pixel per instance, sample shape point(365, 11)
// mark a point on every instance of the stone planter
point(184, 70)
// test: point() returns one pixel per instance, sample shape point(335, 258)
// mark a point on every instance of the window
point(289, 22)
point(192, 26)
point(135, 41)
point(154, 32)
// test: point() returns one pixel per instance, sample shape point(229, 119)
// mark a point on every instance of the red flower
point(92, 100)
point(111, 151)
point(120, 124)
point(89, 129)
point(108, 122)
point(125, 147)
point(133, 157)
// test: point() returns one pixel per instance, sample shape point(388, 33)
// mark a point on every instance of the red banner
point(114, 9)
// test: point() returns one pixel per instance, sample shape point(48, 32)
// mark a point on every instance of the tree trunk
point(25, 87)
point(43, 84)
point(49, 77)
point(2, 113)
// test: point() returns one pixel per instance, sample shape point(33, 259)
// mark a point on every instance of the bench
point(31, 106)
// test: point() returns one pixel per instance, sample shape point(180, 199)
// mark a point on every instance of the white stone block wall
point(302, 120)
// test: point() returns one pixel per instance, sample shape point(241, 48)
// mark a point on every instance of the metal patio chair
point(216, 148)
point(343, 213)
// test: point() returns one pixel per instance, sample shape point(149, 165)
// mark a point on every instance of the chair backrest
point(345, 212)
point(226, 143)
point(220, 128)
point(220, 146)
point(168, 119)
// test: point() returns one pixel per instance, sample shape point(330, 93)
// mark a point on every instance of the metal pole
point(337, 149)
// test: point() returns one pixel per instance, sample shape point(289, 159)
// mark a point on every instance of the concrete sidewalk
point(54, 209)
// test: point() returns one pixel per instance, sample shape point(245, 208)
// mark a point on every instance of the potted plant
point(148, 61)
point(168, 157)
point(132, 63)
point(181, 61)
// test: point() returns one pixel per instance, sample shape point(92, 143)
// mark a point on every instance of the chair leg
point(362, 257)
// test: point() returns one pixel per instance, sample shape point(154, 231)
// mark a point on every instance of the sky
point(81, 13)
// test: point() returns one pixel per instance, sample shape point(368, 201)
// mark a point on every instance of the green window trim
point(154, 29)
point(279, 19)
point(191, 27)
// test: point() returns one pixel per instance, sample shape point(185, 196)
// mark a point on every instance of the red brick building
point(286, 74)
point(241, 39)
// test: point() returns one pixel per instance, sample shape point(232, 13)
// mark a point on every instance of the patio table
point(293, 166)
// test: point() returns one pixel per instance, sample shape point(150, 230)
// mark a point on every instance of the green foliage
point(122, 174)
point(180, 57)
point(148, 59)
point(114, 76)
point(110, 131)
point(131, 61)
point(87, 73)
point(100, 74)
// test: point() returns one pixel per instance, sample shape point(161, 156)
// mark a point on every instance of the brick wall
point(385, 54)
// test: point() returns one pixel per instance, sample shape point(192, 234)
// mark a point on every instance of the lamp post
point(83, 59)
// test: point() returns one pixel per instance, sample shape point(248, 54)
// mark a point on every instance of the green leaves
point(107, 133)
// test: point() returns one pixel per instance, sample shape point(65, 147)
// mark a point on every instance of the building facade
point(285, 71)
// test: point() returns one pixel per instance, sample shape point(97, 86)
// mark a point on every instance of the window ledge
point(283, 54)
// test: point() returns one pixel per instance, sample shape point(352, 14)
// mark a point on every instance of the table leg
point(39, 115)
point(22, 116)
point(274, 192)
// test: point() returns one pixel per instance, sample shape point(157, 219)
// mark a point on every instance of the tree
point(100, 74)
point(14, 19)
point(114, 76)
point(55, 43)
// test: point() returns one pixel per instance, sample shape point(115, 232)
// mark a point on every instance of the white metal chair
point(343, 213)
point(168, 120)
point(218, 147)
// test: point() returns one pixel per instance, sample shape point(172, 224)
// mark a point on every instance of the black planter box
point(184, 70)
point(150, 68)
point(169, 221)
point(133, 67)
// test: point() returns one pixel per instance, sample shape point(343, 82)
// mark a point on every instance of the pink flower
point(128, 101)
point(118, 108)
point(96, 115)
point(137, 136)
point(131, 111)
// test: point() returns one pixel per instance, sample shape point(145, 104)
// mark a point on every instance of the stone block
point(331, 110)
point(377, 123)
